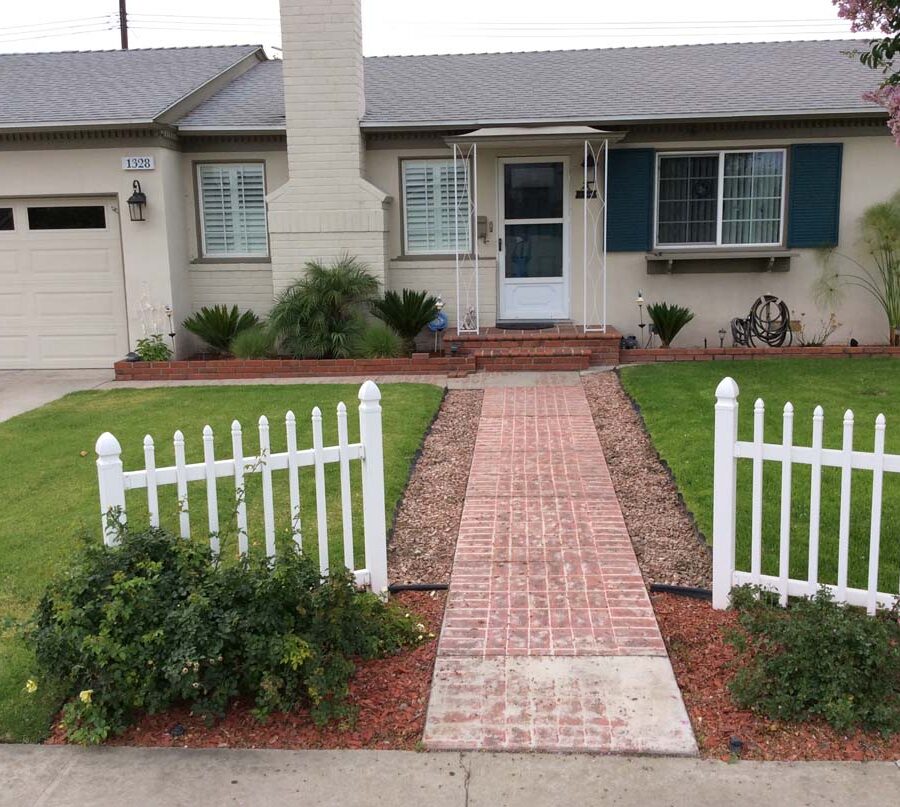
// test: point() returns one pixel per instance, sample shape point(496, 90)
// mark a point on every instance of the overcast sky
point(422, 26)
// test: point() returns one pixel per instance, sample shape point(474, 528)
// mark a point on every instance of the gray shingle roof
point(254, 99)
point(618, 83)
point(81, 86)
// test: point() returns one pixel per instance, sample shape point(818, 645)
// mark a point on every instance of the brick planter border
point(644, 356)
point(198, 369)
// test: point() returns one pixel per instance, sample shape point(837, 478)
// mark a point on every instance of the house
point(521, 187)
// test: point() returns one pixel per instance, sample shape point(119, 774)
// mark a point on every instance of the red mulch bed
point(701, 660)
point(391, 695)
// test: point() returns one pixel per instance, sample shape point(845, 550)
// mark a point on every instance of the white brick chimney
point(326, 208)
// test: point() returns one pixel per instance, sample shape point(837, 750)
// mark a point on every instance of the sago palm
point(407, 313)
point(320, 316)
point(218, 325)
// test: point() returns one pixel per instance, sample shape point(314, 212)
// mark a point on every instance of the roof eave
point(412, 125)
point(65, 125)
point(212, 129)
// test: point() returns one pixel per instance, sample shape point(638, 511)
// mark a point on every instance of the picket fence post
point(724, 491)
point(112, 486)
point(374, 525)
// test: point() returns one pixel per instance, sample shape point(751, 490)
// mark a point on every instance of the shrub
point(668, 320)
point(407, 313)
point(257, 342)
point(378, 342)
point(819, 659)
point(155, 621)
point(153, 348)
point(219, 325)
point(320, 315)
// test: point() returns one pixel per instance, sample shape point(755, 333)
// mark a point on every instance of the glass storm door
point(533, 243)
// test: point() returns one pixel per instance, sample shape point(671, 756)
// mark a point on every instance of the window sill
point(231, 262)
point(719, 260)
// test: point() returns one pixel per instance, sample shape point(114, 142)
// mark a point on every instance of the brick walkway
point(549, 639)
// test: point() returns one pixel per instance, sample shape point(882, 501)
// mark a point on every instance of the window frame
point(719, 245)
point(231, 257)
point(404, 235)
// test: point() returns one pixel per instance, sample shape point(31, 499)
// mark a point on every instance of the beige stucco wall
point(871, 173)
point(152, 250)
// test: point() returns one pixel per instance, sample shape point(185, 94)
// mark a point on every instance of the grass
point(677, 404)
point(49, 490)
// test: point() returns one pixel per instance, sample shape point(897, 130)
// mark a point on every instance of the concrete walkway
point(54, 776)
point(21, 390)
point(549, 639)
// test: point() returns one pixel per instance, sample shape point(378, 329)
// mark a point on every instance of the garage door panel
point(12, 306)
point(73, 263)
point(66, 348)
point(13, 349)
point(76, 307)
point(62, 296)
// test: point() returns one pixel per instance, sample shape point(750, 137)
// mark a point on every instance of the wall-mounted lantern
point(137, 202)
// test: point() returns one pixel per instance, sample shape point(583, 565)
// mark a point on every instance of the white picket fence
point(115, 481)
point(728, 450)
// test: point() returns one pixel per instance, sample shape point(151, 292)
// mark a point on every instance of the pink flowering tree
point(882, 16)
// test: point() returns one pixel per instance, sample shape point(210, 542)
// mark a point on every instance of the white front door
point(533, 244)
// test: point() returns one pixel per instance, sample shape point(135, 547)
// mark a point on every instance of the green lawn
point(677, 404)
point(49, 491)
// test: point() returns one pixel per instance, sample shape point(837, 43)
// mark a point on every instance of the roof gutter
point(629, 119)
point(68, 124)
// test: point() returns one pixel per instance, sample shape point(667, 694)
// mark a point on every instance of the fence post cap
point(148, 441)
point(107, 445)
point(369, 391)
point(727, 388)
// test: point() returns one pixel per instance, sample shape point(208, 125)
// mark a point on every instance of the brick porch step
point(557, 358)
point(603, 348)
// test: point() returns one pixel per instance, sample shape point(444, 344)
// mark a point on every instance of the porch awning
point(504, 136)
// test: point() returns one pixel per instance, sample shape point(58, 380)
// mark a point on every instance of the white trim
point(565, 221)
point(720, 192)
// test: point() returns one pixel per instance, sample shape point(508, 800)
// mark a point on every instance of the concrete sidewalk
point(48, 776)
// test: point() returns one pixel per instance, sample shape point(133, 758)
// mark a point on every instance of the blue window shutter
point(814, 195)
point(629, 216)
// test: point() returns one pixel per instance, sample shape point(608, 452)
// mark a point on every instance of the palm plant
point(218, 325)
point(668, 320)
point(320, 316)
point(407, 312)
point(881, 233)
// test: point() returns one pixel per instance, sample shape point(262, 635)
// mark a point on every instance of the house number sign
point(138, 163)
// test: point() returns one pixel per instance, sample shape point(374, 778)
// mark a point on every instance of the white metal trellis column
point(594, 235)
point(465, 215)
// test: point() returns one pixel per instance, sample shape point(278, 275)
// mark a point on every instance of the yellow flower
point(31, 686)
point(85, 695)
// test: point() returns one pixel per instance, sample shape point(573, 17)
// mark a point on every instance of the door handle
point(500, 244)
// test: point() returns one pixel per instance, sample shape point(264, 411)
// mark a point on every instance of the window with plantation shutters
point(232, 199)
point(435, 202)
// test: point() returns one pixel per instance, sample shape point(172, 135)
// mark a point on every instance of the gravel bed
point(668, 546)
point(422, 543)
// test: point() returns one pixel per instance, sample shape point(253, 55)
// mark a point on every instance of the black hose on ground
point(394, 588)
point(682, 591)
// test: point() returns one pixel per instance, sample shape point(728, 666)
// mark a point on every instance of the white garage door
point(62, 296)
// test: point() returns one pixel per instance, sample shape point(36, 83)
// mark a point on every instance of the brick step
point(532, 358)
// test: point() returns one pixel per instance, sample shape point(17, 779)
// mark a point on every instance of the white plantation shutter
point(233, 210)
point(430, 218)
